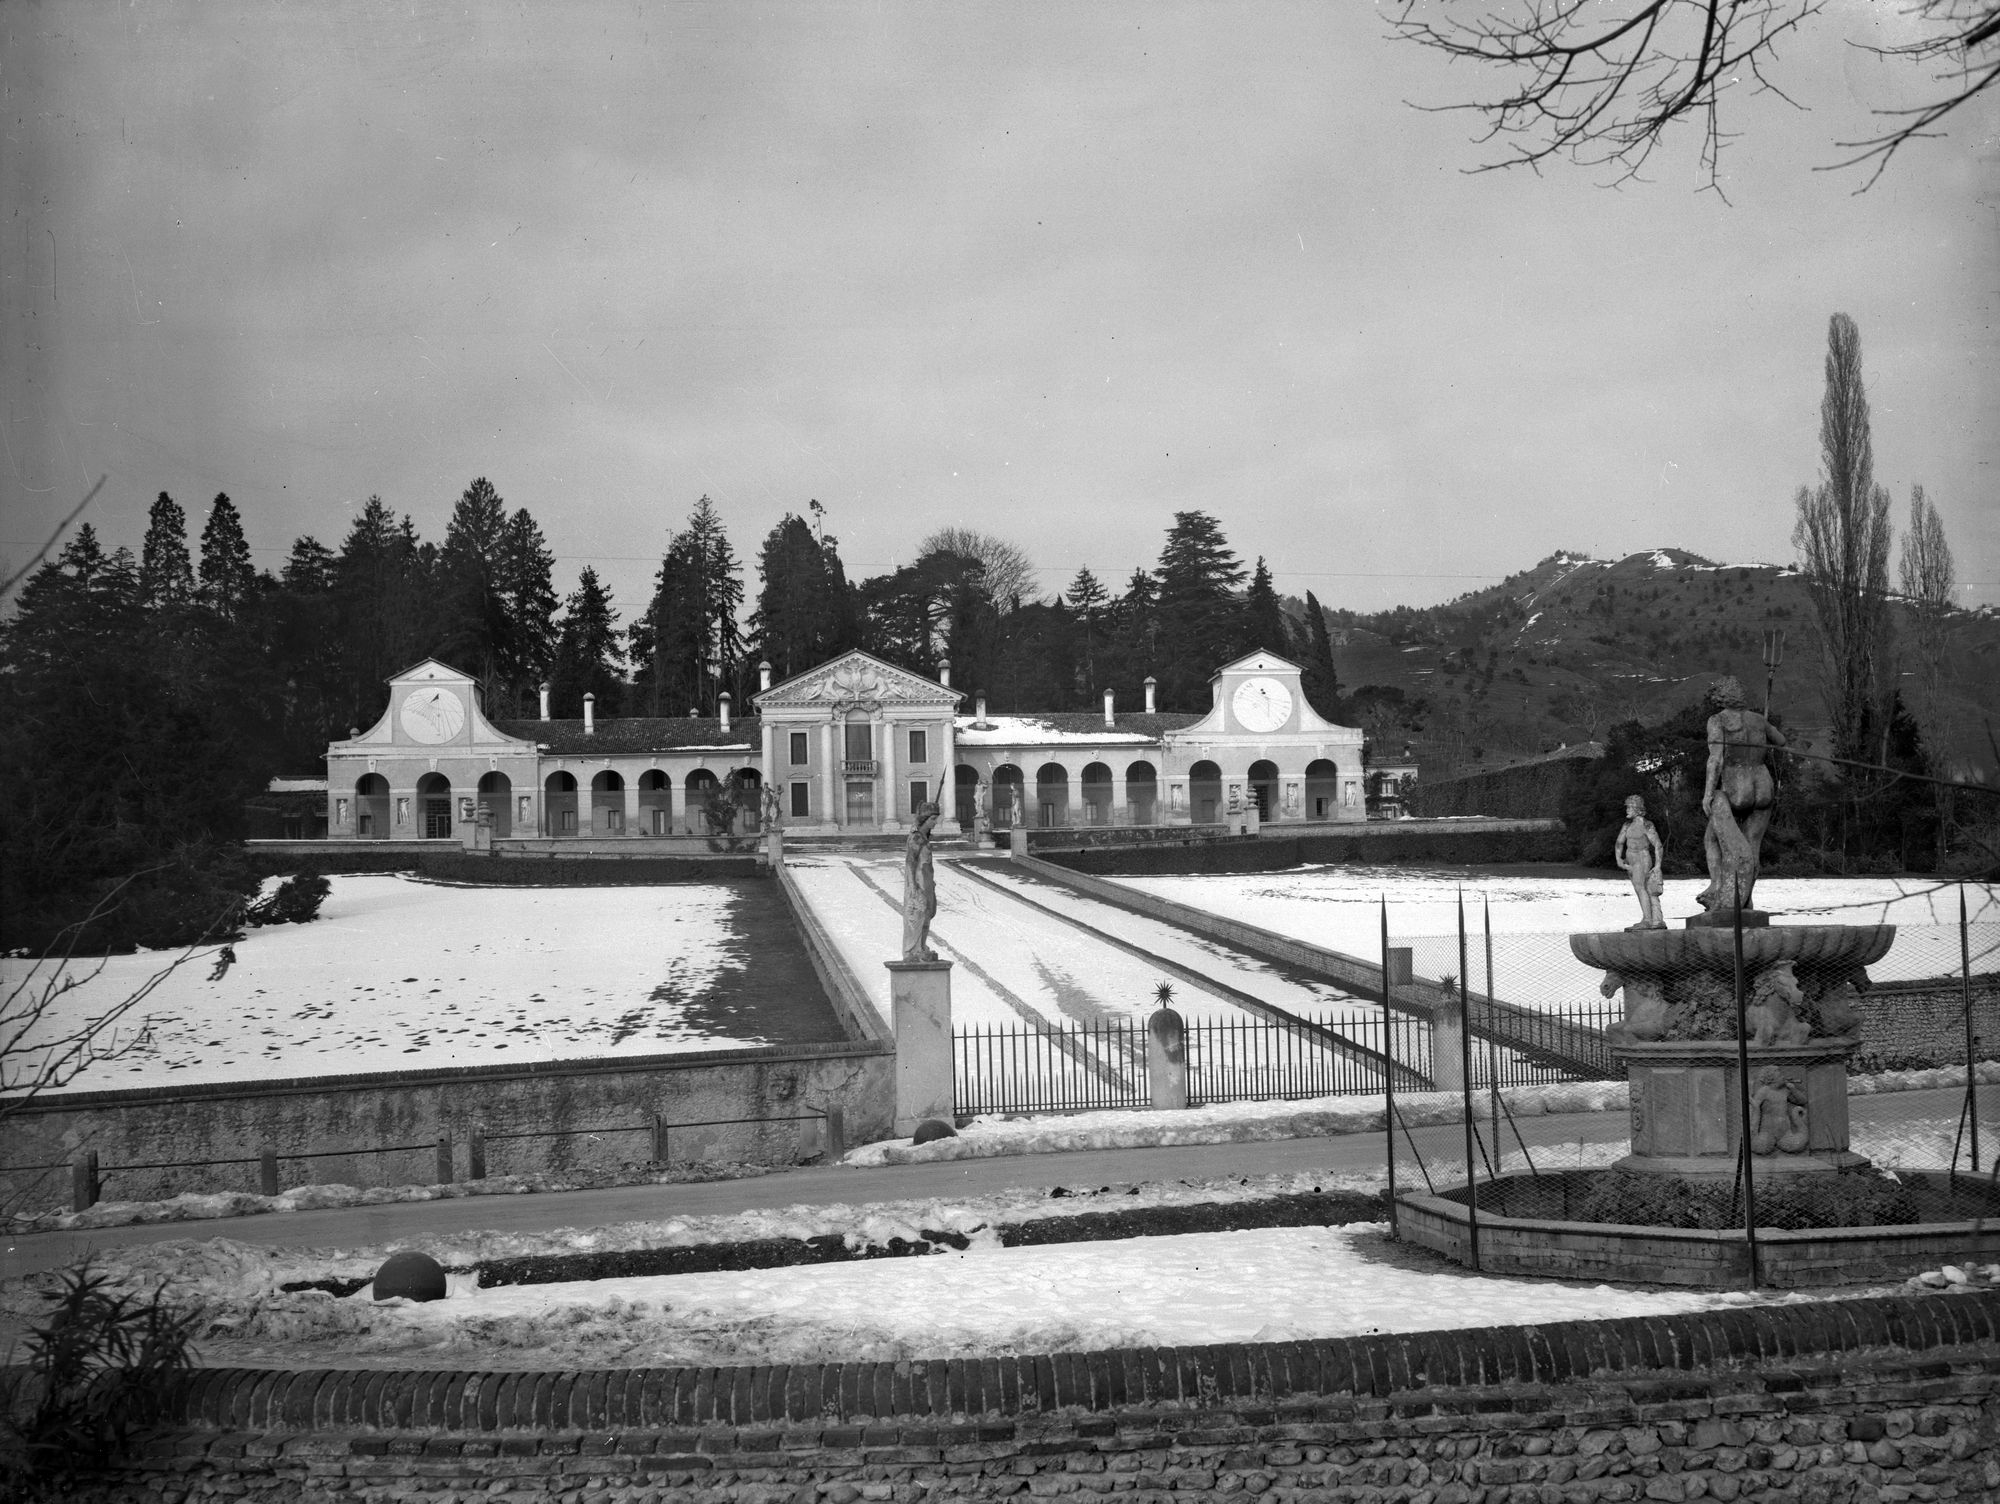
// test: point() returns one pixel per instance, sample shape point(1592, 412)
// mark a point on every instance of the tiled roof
point(1021, 727)
point(665, 733)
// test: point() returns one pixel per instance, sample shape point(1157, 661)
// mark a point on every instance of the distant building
point(852, 747)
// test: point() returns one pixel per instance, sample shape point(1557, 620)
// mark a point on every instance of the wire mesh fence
point(1757, 1062)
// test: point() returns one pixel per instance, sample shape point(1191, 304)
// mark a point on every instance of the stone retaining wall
point(1924, 1021)
point(1882, 1399)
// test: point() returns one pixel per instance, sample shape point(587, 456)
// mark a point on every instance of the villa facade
point(852, 747)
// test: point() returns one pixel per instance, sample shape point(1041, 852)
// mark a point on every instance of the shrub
point(1792, 1202)
point(296, 900)
point(96, 1369)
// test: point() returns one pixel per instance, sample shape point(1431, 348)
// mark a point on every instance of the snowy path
point(399, 974)
point(1019, 963)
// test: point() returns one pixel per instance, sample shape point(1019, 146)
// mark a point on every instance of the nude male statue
point(1737, 794)
point(1637, 852)
point(919, 886)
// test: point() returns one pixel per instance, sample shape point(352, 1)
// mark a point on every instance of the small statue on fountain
point(1637, 851)
point(771, 819)
point(919, 886)
point(1777, 1116)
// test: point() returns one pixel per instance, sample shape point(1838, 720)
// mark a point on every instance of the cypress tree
point(1265, 625)
point(1320, 682)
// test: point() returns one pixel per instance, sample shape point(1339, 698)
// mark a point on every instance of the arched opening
point(434, 806)
point(496, 797)
point(1264, 787)
point(607, 804)
point(1096, 790)
point(1052, 794)
point(965, 795)
point(1142, 792)
point(371, 806)
point(559, 803)
point(702, 787)
point(656, 803)
point(1009, 797)
point(1322, 788)
point(1205, 792)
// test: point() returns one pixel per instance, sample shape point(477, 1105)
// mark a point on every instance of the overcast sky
point(1053, 271)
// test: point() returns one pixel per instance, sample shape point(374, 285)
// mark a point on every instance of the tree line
point(145, 699)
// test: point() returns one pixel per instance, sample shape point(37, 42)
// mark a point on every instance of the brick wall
point(1905, 1023)
point(1874, 1399)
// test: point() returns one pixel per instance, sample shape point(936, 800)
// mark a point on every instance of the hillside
point(1563, 651)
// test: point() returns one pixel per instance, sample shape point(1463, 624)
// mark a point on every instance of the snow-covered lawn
point(1018, 963)
point(397, 973)
point(1532, 917)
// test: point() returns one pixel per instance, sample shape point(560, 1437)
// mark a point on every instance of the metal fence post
point(1389, 1074)
point(1971, 1041)
point(1743, 1095)
point(1465, 1092)
point(267, 1172)
point(83, 1185)
point(444, 1158)
point(475, 1152)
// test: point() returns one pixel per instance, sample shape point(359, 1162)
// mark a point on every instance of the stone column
point(948, 777)
point(1119, 815)
point(1448, 1044)
point(1166, 1060)
point(888, 816)
point(632, 806)
point(829, 815)
point(920, 1014)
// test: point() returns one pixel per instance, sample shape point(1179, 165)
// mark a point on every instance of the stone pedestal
point(774, 847)
point(1017, 841)
point(1686, 1114)
point(920, 1014)
point(1166, 1060)
point(1448, 1044)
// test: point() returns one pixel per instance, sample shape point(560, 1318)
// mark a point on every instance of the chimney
point(590, 715)
point(1109, 719)
point(763, 675)
point(722, 708)
point(979, 716)
point(944, 672)
point(545, 699)
point(1150, 682)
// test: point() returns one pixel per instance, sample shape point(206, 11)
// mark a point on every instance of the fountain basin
point(1822, 947)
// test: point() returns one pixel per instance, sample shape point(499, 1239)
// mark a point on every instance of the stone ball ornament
point(932, 1129)
point(410, 1276)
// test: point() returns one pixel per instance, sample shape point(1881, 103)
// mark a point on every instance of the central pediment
point(857, 680)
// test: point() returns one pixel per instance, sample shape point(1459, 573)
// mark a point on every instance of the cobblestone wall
point(1870, 1400)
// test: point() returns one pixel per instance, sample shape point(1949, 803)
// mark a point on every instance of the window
point(860, 742)
point(614, 822)
point(919, 752)
point(437, 819)
point(801, 800)
point(798, 749)
point(917, 791)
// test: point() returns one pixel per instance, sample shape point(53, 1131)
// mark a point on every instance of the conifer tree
point(528, 592)
point(1319, 681)
point(166, 575)
point(228, 580)
point(475, 578)
point(805, 612)
point(1200, 615)
point(688, 646)
point(587, 659)
point(1265, 625)
point(1087, 599)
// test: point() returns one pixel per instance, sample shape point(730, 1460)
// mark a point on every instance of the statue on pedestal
point(770, 816)
point(1737, 794)
point(919, 886)
point(1637, 850)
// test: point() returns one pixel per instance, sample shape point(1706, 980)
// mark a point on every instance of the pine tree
point(1087, 599)
point(309, 568)
point(1265, 626)
point(387, 606)
point(805, 612)
point(228, 580)
point(166, 576)
point(528, 590)
point(1200, 615)
point(721, 590)
point(586, 655)
point(668, 649)
point(478, 638)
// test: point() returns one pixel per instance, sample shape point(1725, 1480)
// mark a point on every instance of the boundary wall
point(1277, 847)
point(1895, 1397)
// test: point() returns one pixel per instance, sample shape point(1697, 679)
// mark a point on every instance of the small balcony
point(859, 767)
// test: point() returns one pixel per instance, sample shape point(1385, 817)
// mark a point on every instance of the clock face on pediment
point(431, 715)
point(1261, 704)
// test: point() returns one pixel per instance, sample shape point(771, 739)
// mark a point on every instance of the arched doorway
point(1096, 789)
point(559, 803)
point(702, 786)
point(434, 807)
point(1205, 792)
point(371, 807)
point(496, 797)
point(656, 803)
point(1009, 797)
point(965, 795)
point(607, 804)
point(1264, 787)
point(1052, 794)
point(1322, 788)
point(1142, 792)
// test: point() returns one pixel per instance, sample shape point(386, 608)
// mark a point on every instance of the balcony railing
point(858, 767)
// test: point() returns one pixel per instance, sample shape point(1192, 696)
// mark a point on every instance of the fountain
point(1732, 1028)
